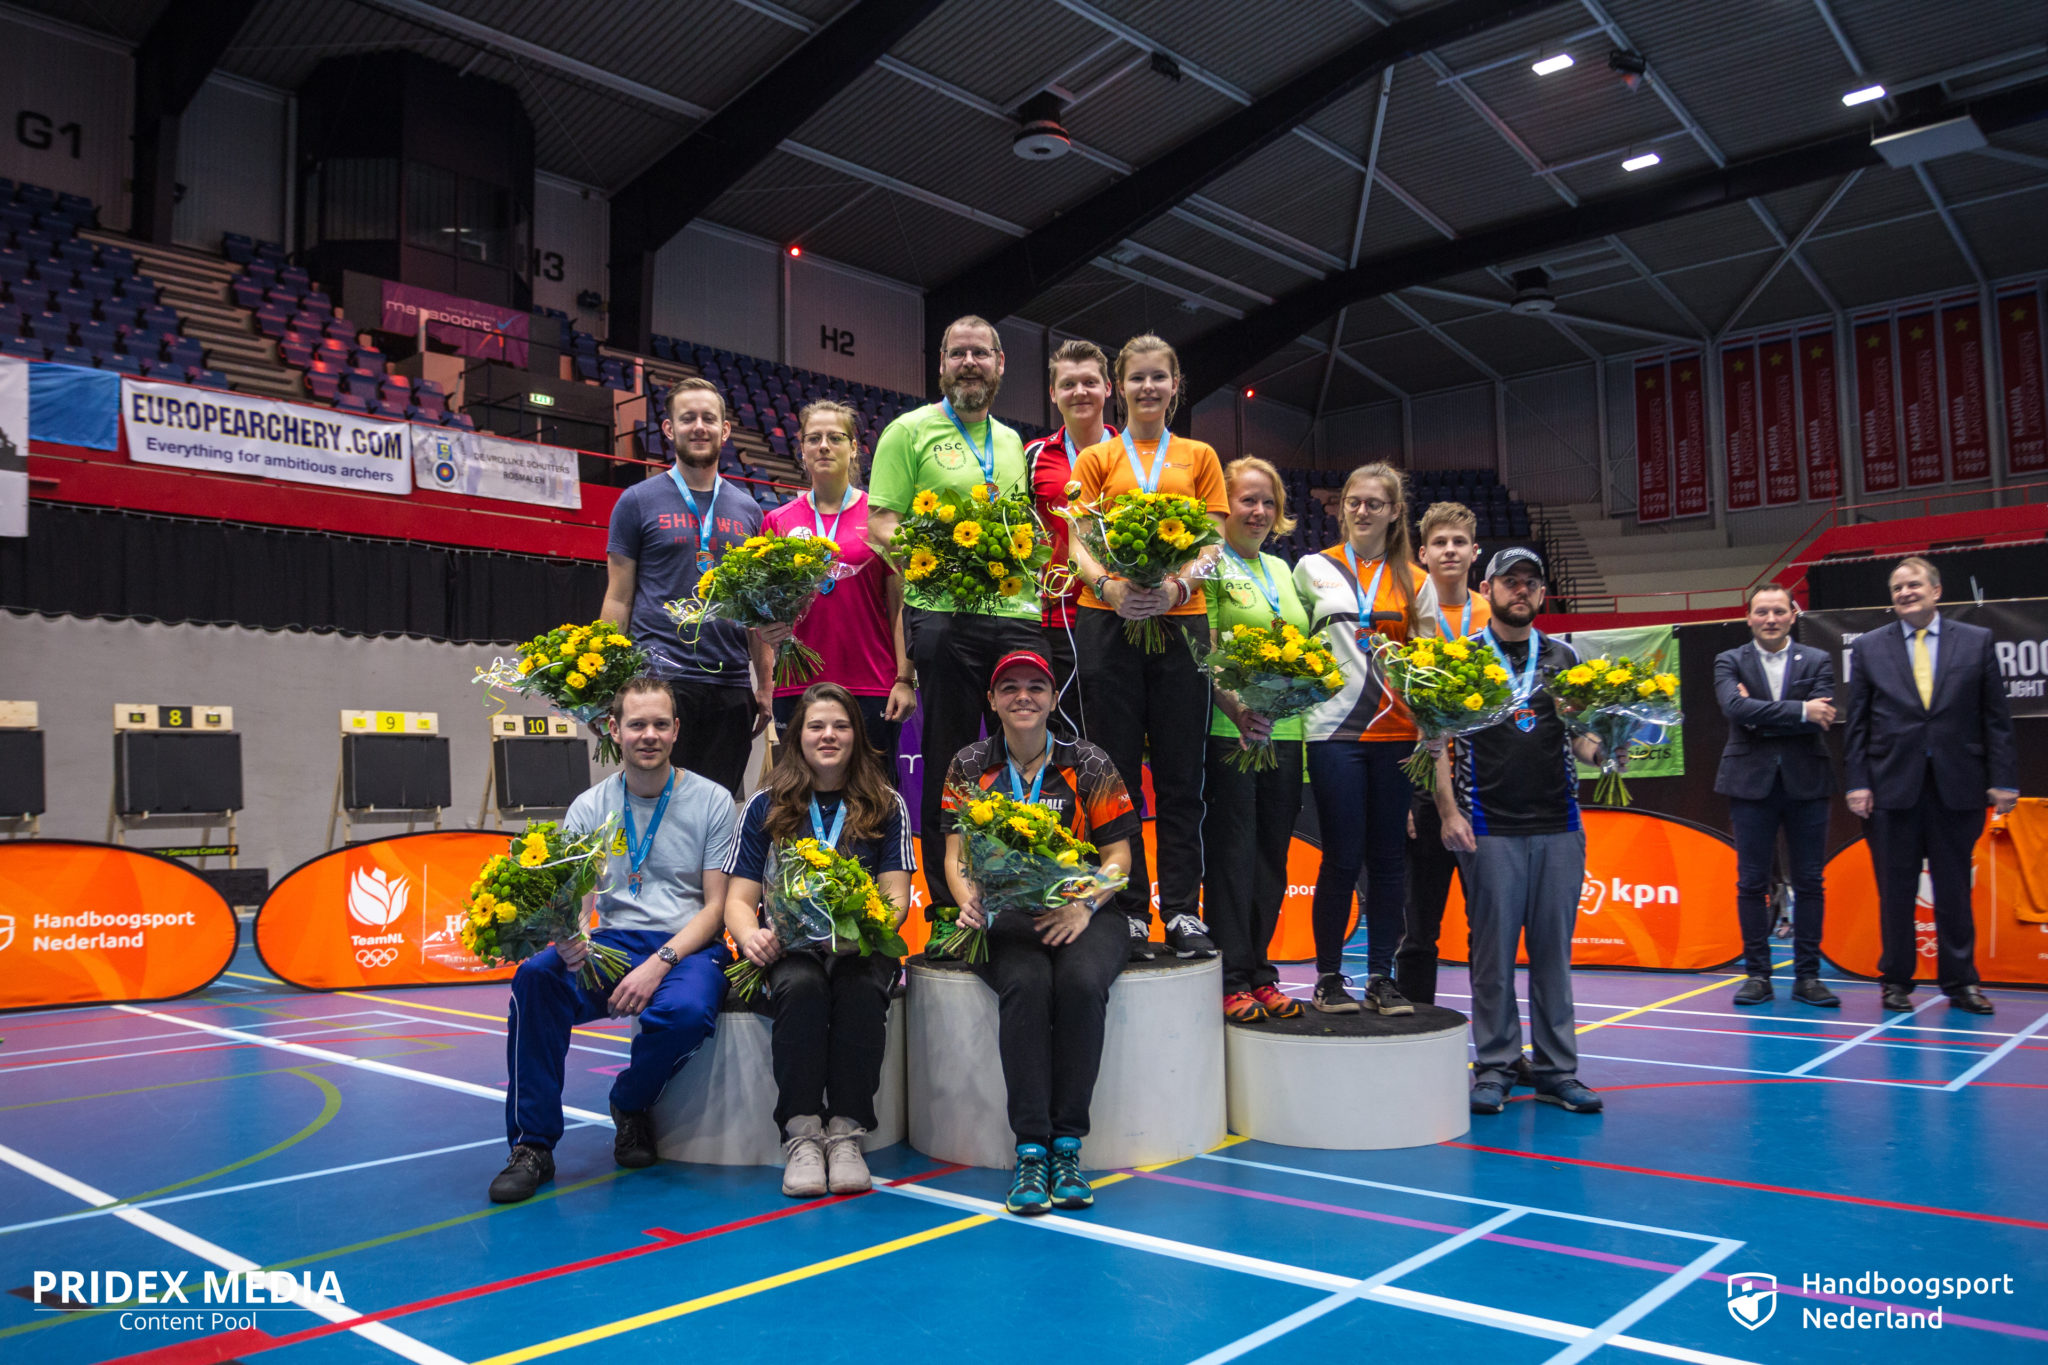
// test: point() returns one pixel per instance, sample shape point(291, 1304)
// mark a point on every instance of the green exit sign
point(541, 400)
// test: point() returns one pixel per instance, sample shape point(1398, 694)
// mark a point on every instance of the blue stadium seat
point(71, 355)
point(212, 379)
point(351, 402)
point(237, 247)
point(24, 348)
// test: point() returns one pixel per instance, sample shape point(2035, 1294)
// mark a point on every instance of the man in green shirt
point(951, 446)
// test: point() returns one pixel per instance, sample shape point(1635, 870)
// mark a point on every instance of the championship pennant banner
point(1653, 443)
point(1923, 393)
point(1671, 439)
point(1821, 414)
point(2026, 390)
point(236, 433)
point(481, 465)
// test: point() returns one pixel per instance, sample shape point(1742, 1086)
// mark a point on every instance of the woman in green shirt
point(1250, 815)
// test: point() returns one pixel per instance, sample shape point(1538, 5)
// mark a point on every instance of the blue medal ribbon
point(1525, 686)
point(1366, 596)
point(1150, 483)
point(1464, 622)
point(986, 456)
point(706, 519)
point(831, 533)
point(827, 840)
point(1037, 782)
point(1259, 577)
point(636, 847)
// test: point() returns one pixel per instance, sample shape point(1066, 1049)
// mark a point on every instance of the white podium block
point(720, 1108)
point(1351, 1082)
point(1159, 1095)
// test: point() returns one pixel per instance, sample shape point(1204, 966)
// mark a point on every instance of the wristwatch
point(667, 954)
point(1096, 586)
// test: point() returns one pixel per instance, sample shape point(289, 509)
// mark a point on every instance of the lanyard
point(847, 501)
point(706, 519)
point(1067, 439)
point(827, 840)
point(636, 847)
point(986, 456)
point(1366, 596)
point(1150, 483)
point(1259, 577)
point(1464, 622)
point(1525, 686)
point(1017, 778)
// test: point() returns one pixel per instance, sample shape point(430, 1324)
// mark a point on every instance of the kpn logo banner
point(385, 913)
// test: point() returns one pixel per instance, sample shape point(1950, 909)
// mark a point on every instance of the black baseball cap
point(1504, 560)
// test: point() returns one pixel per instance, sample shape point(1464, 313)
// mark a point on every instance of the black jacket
point(1767, 738)
point(1965, 737)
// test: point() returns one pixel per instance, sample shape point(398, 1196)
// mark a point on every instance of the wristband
point(1097, 586)
point(910, 681)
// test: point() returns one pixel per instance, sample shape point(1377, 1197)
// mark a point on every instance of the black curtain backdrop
point(87, 562)
point(1999, 571)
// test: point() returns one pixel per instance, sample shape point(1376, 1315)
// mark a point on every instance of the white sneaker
point(803, 1158)
point(848, 1169)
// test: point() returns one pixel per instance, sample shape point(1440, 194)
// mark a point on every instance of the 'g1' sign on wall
point(386, 913)
point(1658, 892)
point(95, 924)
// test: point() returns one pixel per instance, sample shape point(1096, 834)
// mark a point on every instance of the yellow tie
point(1923, 669)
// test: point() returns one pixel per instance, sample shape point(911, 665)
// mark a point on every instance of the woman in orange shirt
point(1355, 591)
point(1131, 696)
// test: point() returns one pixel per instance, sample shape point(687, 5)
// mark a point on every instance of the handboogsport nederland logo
point(1752, 1297)
point(1862, 1302)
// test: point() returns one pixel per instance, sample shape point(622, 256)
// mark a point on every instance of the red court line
point(228, 1346)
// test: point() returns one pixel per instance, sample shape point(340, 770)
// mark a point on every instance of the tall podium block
point(1351, 1082)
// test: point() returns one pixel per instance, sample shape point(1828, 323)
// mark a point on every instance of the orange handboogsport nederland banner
point(385, 913)
point(2009, 895)
point(1658, 892)
point(95, 924)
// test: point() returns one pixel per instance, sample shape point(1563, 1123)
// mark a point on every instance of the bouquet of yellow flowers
point(1143, 537)
point(1276, 676)
point(980, 549)
point(1616, 700)
point(1020, 857)
point(816, 895)
point(577, 670)
point(1450, 687)
point(765, 581)
point(532, 894)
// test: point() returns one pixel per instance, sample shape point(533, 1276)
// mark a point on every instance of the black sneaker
point(1331, 997)
point(1189, 937)
point(1808, 990)
point(1383, 995)
point(633, 1144)
point(1525, 1075)
point(529, 1168)
point(1489, 1097)
point(1755, 991)
point(1141, 941)
point(1572, 1096)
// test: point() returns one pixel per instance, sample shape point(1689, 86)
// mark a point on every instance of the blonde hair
point(692, 384)
point(1398, 551)
point(1252, 464)
point(1455, 515)
point(1145, 344)
point(1075, 351)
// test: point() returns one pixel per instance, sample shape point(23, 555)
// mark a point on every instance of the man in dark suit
point(1929, 743)
point(1775, 772)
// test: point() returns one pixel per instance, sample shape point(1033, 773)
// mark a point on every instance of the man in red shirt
point(1079, 375)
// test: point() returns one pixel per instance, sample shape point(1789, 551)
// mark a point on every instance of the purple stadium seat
point(351, 402)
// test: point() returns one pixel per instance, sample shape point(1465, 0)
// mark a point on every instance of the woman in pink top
point(856, 625)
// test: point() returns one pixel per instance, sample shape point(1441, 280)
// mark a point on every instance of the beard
point(705, 461)
point(972, 394)
point(1519, 612)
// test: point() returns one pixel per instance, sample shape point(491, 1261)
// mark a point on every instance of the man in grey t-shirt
point(661, 902)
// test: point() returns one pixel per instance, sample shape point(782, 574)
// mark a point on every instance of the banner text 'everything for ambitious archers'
point(278, 428)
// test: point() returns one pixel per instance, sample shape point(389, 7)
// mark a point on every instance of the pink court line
point(1583, 1253)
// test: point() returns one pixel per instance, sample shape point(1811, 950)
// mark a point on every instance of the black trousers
point(1899, 840)
point(1152, 706)
point(831, 1029)
point(1755, 825)
point(954, 653)
point(1362, 799)
point(1245, 834)
point(882, 734)
point(1430, 869)
point(1050, 1004)
point(715, 731)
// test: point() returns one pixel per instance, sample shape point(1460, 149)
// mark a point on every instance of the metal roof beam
point(172, 61)
point(1445, 339)
point(1787, 252)
point(1372, 161)
point(1569, 320)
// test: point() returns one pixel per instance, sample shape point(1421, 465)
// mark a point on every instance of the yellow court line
point(472, 1014)
point(748, 1290)
point(246, 977)
point(1658, 1005)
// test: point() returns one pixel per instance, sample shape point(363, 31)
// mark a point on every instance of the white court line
point(159, 1037)
point(1999, 1052)
point(166, 1051)
point(378, 1333)
point(1879, 1027)
point(1756, 1071)
point(403, 1073)
point(1483, 1314)
point(1273, 1331)
point(1646, 1304)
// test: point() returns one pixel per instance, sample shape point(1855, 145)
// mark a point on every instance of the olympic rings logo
point(376, 957)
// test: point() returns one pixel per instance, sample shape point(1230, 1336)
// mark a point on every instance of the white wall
point(1553, 428)
point(855, 325)
point(232, 162)
point(1024, 397)
point(1454, 429)
point(73, 91)
point(571, 238)
point(718, 288)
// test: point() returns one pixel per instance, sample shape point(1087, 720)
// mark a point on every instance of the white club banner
point(237, 433)
point(481, 465)
point(13, 446)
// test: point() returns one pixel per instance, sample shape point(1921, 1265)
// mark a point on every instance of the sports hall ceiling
point(909, 172)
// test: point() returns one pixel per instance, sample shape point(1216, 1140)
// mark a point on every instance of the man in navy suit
point(1929, 744)
point(1775, 772)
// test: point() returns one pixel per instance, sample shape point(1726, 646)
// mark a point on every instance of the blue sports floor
point(255, 1125)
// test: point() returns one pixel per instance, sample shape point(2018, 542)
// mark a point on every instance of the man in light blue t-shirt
point(661, 902)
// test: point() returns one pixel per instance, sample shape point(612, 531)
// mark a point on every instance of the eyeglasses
point(834, 438)
point(1372, 505)
point(970, 353)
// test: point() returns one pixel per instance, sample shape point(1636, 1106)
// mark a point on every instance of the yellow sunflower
point(967, 534)
point(1474, 701)
point(925, 503)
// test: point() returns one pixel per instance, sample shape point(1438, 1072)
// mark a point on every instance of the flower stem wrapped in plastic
point(765, 581)
point(981, 551)
point(1277, 676)
point(817, 897)
point(1020, 857)
point(1450, 687)
point(1615, 700)
point(1142, 538)
point(575, 669)
point(532, 894)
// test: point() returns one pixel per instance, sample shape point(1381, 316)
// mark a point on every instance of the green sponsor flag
point(1658, 752)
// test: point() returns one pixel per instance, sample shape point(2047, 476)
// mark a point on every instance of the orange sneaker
point(1242, 1007)
point(1279, 1004)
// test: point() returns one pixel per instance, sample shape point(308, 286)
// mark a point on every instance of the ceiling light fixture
point(1864, 96)
point(1550, 64)
point(1641, 163)
point(1251, 393)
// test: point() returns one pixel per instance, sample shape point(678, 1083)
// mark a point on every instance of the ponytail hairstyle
point(867, 793)
point(1400, 552)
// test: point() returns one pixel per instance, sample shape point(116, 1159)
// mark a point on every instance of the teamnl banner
point(1658, 750)
point(486, 466)
point(2019, 635)
point(237, 433)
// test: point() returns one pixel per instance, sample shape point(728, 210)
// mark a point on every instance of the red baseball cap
point(1021, 658)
